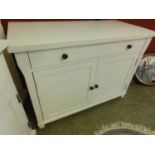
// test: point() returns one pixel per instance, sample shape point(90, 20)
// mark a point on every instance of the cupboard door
point(64, 89)
point(111, 76)
point(12, 115)
point(4, 78)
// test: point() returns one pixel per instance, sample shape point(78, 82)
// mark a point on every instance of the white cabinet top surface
point(3, 44)
point(31, 36)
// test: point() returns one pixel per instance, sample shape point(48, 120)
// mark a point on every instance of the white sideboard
point(71, 66)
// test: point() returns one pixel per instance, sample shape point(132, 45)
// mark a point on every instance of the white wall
point(1, 31)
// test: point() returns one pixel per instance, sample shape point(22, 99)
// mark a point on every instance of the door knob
point(91, 88)
point(129, 46)
point(64, 56)
point(96, 86)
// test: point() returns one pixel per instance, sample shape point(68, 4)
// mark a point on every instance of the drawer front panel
point(65, 55)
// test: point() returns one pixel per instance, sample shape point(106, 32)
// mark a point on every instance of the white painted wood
point(52, 57)
point(64, 89)
point(78, 109)
point(135, 65)
point(12, 116)
point(2, 36)
point(24, 64)
point(97, 54)
point(4, 78)
point(111, 75)
point(31, 36)
point(3, 44)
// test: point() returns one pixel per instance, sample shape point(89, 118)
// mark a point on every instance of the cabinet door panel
point(64, 89)
point(12, 116)
point(4, 78)
point(111, 76)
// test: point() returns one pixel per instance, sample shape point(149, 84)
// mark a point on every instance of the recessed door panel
point(64, 89)
point(111, 76)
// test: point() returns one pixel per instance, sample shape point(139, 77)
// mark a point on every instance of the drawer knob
point(129, 46)
point(91, 88)
point(96, 86)
point(64, 56)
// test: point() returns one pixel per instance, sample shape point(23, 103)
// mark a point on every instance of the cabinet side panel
point(133, 70)
point(24, 65)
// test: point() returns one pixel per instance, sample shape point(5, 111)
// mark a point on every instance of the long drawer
point(65, 55)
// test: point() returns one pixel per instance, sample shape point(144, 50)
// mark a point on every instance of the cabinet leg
point(33, 132)
point(123, 94)
point(41, 126)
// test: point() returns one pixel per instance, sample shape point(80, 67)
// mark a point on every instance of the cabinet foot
point(33, 132)
point(123, 94)
point(41, 126)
